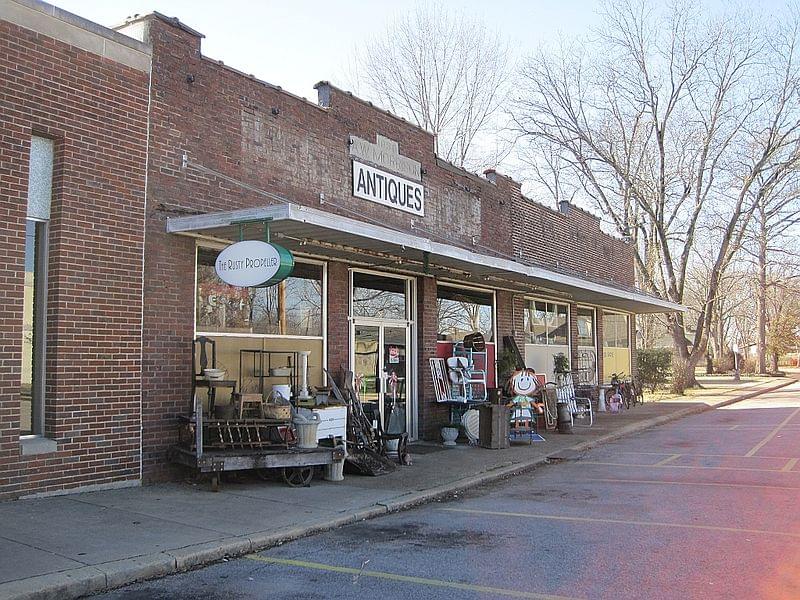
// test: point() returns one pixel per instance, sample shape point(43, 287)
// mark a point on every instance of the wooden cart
point(216, 445)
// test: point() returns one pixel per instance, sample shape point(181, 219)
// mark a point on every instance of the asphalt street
point(705, 507)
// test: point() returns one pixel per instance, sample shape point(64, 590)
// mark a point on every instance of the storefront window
point(615, 330)
point(585, 325)
point(546, 323)
point(292, 307)
point(462, 311)
point(379, 296)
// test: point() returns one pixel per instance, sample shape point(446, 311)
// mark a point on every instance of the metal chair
point(579, 406)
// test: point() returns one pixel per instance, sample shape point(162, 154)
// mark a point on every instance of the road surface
point(705, 507)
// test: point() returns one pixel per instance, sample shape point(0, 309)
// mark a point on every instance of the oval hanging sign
point(254, 264)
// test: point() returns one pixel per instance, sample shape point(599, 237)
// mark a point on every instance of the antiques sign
point(254, 264)
point(378, 185)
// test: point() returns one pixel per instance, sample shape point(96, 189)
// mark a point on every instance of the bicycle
point(630, 392)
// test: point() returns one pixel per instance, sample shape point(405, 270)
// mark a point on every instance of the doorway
point(382, 353)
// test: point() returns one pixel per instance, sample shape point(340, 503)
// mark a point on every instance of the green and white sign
point(254, 264)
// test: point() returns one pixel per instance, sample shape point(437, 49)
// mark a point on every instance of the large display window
point(283, 320)
point(462, 311)
point(292, 307)
point(546, 335)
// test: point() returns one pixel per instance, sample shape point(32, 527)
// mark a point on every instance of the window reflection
point(291, 307)
point(379, 297)
point(461, 312)
point(615, 330)
point(585, 325)
point(546, 323)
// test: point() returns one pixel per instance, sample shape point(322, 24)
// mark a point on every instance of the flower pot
point(449, 435)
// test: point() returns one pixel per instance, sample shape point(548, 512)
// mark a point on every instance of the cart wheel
point(298, 476)
point(265, 474)
point(215, 482)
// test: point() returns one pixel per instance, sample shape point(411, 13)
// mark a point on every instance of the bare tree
point(771, 245)
point(443, 72)
point(667, 119)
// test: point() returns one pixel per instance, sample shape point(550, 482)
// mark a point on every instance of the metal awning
point(311, 231)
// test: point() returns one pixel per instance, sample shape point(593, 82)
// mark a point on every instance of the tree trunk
point(774, 365)
point(687, 360)
point(761, 296)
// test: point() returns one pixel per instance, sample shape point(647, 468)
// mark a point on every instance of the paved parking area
point(705, 507)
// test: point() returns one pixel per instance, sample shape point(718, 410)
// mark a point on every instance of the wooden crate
point(494, 426)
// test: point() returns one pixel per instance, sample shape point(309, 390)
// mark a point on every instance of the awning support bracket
point(244, 222)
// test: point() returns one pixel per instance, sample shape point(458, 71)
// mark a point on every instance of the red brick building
point(398, 255)
point(73, 151)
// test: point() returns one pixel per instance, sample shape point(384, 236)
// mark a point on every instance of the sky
point(296, 44)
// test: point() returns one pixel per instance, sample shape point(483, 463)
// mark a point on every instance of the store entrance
point(380, 363)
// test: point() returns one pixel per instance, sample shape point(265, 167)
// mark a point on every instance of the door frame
point(596, 337)
point(412, 370)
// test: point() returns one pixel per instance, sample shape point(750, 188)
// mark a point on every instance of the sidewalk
point(68, 546)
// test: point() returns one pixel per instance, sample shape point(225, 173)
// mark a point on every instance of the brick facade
point(95, 110)
point(261, 136)
point(121, 333)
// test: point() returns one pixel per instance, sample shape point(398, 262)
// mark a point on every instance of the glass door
point(395, 370)
point(381, 368)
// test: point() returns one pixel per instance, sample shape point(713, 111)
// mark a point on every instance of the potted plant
point(506, 365)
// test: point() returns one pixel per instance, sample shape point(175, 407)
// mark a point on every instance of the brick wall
point(96, 111)
point(570, 242)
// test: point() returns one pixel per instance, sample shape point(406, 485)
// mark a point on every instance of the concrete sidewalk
point(69, 546)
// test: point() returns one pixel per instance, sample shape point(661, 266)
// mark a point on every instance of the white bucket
point(306, 429)
point(335, 471)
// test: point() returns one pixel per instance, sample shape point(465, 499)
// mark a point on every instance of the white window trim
point(412, 399)
point(594, 325)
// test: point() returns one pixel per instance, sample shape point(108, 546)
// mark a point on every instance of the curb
point(83, 581)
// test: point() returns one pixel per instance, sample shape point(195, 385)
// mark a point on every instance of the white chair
point(579, 406)
point(458, 373)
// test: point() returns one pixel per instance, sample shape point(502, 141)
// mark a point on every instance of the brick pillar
point(505, 316)
point(430, 414)
point(573, 336)
point(510, 319)
point(632, 342)
point(338, 317)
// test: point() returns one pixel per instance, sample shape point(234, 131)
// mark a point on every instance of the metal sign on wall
point(253, 263)
point(403, 191)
